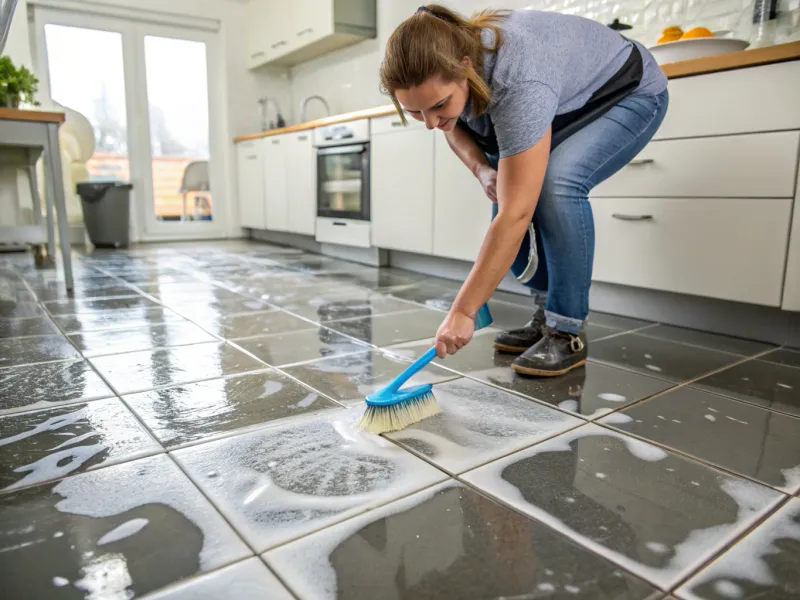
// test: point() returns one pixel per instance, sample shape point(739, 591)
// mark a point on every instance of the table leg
point(56, 193)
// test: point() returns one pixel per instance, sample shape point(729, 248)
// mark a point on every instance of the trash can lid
point(94, 190)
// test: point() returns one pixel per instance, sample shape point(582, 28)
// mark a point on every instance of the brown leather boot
point(555, 354)
point(517, 341)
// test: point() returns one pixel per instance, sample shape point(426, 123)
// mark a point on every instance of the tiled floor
point(182, 427)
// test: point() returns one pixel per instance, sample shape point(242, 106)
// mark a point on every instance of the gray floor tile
point(142, 371)
point(117, 341)
point(180, 296)
point(111, 533)
point(655, 513)
point(438, 296)
point(45, 385)
point(349, 379)
point(590, 391)
point(616, 322)
point(713, 341)
point(479, 423)
point(250, 325)
point(245, 580)
point(10, 328)
point(328, 307)
point(384, 330)
point(199, 411)
point(56, 291)
point(279, 483)
point(784, 356)
point(596, 332)
point(458, 545)
point(80, 306)
point(53, 443)
point(759, 382)
point(762, 565)
point(300, 346)
point(22, 310)
point(26, 351)
point(659, 358)
point(510, 316)
point(211, 312)
point(116, 319)
point(739, 437)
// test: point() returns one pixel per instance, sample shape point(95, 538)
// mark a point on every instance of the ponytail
point(433, 42)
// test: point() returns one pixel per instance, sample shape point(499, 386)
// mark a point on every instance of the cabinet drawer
point(742, 101)
point(760, 165)
point(734, 249)
point(392, 123)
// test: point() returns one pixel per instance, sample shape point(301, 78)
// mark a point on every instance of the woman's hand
point(454, 333)
point(488, 179)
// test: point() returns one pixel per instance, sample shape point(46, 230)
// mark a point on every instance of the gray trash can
point(106, 212)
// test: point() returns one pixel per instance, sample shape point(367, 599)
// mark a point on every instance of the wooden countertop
point(41, 116)
point(686, 68)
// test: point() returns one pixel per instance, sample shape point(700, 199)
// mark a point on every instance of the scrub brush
point(393, 408)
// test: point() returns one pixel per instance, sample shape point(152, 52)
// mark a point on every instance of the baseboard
point(373, 257)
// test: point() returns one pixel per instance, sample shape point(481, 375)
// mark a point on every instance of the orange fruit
point(697, 32)
point(668, 38)
point(670, 34)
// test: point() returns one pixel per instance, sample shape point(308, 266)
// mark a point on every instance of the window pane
point(177, 94)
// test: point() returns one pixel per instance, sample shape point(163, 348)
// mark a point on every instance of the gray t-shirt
point(550, 64)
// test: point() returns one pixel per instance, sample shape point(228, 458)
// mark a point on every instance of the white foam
point(616, 418)
point(305, 564)
point(127, 529)
point(609, 397)
point(570, 405)
point(546, 587)
point(728, 589)
point(648, 356)
point(657, 547)
point(601, 475)
point(323, 470)
point(713, 409)
point(157, 480)
point(479, 423)
point(572, 589)
point(654, 368)
point(60, 581)
point(747, 560)
point(711, 418)
point(752, 500)
point(785, 386)
point(737, 420)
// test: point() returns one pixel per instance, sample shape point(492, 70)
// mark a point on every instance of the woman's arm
point(519, 183)
point(462, 144)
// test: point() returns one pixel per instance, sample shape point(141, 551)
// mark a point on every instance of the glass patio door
point(144, 87)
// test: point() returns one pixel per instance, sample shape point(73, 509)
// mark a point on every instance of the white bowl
point(669, 52)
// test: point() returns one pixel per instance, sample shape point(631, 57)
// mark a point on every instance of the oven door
point(343, 182)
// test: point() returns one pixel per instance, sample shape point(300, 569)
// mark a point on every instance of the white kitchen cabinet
point(289, 33)
point(251, 183)
point(462, 212)
point(758, 165)
point(301, 184)
point(732, 249)
point(401, 186)
point(276, 199)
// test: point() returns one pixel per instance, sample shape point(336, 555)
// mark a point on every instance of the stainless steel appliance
point(343, 206)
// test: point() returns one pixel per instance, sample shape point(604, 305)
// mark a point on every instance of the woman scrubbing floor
point(540, 107)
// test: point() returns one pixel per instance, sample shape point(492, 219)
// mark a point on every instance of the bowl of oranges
point(675, 44)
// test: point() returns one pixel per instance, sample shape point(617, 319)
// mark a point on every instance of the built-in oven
point(343, 203)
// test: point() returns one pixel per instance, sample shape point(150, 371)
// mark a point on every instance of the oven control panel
point(342, 133)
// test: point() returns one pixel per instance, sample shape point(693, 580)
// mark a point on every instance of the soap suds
point(653, 368)
point(711, 418)
point(657, 547)
point(127, 529)
point(609, 397)
point(60, 581)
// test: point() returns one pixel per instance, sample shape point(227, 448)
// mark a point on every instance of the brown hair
point(433, 41)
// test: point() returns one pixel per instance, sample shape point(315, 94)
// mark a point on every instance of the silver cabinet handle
point(277, 44)
point(257, 54)
point(398, 124)
point(302, 138)
point(641, 161)
point(276, 141)
point(622, 217)
point(305, 31)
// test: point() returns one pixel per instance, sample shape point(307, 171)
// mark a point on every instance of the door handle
point(277, 44)
point(397, 124)
point(340, 224)
point(622, 217)
point(276, 142)
point(302, 138)
point(305, 31)
point(257, 54)
point(641, 161)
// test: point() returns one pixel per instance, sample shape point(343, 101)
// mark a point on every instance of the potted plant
point(17, 85)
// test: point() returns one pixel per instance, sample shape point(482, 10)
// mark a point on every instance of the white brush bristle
point(383, 419)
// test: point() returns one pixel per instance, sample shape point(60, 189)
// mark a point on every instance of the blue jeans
point(563, 219)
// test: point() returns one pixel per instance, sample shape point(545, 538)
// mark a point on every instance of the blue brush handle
point(482, 319)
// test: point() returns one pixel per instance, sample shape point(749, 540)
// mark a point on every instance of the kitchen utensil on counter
point(688, 49)
point(393, 408)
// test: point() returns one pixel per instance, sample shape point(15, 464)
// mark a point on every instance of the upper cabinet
point(289, 33)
